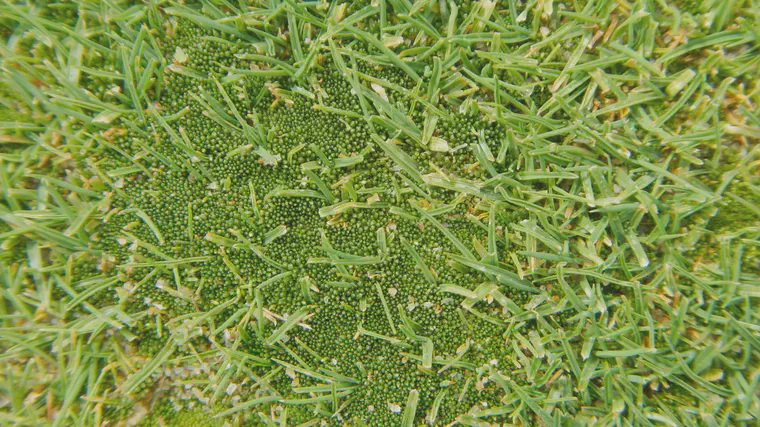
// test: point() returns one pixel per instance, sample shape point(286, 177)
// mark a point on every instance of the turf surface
point(379, 213)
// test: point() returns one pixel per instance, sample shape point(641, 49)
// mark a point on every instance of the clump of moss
point(738, 210)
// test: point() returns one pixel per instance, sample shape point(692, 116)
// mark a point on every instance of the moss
point(733, 213)
point(165, 414)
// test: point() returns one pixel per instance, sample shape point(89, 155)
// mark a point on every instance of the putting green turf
point(379, 213)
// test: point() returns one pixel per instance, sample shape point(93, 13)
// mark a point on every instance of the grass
point(379, 213)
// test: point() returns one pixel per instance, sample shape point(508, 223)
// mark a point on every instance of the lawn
point(379, 213)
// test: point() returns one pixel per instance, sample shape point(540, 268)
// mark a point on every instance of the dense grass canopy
point(379, 213)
